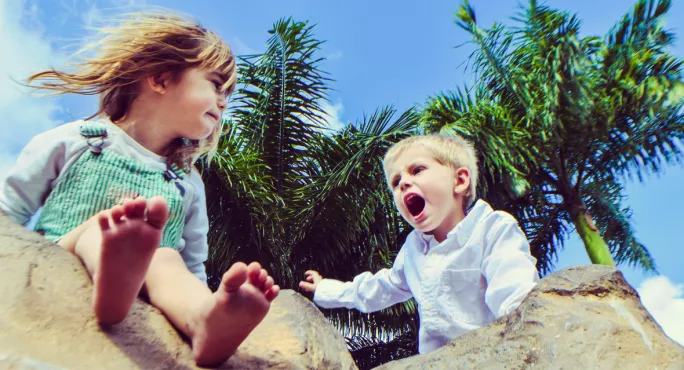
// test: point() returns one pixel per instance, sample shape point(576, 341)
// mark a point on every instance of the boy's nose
point(405, 184)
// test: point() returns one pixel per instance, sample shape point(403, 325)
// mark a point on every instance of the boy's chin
point(423, 228)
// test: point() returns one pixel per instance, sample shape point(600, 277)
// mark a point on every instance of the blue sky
point(378, 52)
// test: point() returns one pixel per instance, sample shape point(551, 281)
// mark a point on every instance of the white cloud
point(25, 51)
point(92, 13)
point(240, 48)
point(335, 56)
point(92, 16)
point(332, 113)
point(129, 3)
point(665, 301)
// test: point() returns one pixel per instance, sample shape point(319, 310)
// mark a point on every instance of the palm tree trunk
point(597, 249)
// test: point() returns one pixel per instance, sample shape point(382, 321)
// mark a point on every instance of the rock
point(46, 322)
point(584, 317)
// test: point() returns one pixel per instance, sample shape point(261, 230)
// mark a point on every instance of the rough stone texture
point(46, 322)
point(584, 317)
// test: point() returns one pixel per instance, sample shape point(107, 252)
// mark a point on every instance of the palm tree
point(264, 158)
point(561, 120)
point(287, 191)
point(372, 352)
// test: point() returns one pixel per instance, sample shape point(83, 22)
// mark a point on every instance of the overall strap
point(95, 136)
point(175, 174)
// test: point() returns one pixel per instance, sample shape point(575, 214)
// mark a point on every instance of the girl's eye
point(217, 84)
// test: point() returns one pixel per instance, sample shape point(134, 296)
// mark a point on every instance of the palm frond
point(278, 105)
point(604, 201)
point(587, 111)
point(497, 137)
point(369, 353)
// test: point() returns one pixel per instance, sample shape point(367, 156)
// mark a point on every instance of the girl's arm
point(29, 181)
point(195, 231)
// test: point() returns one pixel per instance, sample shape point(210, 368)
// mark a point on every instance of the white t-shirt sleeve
point(195, 231)
point(367, 292)
point(29, 181)
point(508, 266)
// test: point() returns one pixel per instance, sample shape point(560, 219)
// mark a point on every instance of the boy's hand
point(312, 280)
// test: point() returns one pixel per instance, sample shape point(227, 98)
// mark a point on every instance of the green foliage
point(560, 120)
point(288, 192)
point(369, 353)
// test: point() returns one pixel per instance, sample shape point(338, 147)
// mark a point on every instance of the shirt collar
point(463, 230)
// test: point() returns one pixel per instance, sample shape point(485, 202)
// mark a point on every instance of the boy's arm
point(27, 184)
point(508, 266)
point(195, 230)
point(367, 292)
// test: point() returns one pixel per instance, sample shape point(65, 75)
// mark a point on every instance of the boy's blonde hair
point(138, 45)
point(451, 150)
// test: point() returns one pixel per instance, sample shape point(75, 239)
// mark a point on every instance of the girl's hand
point(312, 280)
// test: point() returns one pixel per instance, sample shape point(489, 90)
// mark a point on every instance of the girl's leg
point(216, 323)
point(69, 240)
point(116, 246)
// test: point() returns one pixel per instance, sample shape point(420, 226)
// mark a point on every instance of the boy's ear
point(160, 82)
point(461, 181)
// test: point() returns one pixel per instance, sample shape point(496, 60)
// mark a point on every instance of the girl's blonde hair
point(449, 150)
point(136, 46)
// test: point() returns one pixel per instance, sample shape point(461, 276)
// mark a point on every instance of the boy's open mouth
point(414, 204)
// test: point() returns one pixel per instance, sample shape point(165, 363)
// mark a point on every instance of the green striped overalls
point(101, 178)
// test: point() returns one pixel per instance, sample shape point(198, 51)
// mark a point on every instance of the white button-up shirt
point(482, 271)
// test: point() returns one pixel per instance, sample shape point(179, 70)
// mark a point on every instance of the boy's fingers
point(313, 276)
point(306, 286)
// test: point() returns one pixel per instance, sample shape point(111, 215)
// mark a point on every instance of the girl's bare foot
point(130, 235)
point(232, 312)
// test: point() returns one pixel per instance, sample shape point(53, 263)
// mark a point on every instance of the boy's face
point(427, 193)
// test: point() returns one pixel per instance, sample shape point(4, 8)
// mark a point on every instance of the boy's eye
point(395, 183)
point(418, 170)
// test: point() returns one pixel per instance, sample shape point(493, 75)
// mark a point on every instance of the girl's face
point(194, 103)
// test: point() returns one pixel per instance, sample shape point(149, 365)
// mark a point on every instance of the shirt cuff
point(328, 292)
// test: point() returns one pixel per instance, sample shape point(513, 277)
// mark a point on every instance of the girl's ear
point(159, 83)
point(461, 181)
